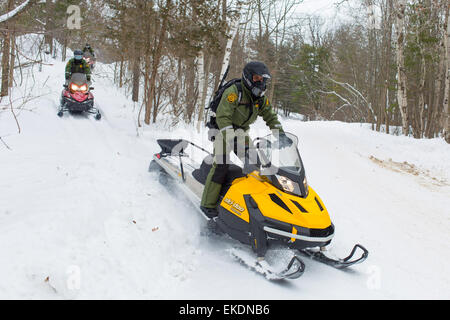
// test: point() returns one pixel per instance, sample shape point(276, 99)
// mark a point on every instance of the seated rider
point(88, 48)
point(78, 65)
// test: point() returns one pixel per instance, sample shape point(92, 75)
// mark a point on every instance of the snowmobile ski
point(337, 263)
point(294, 269)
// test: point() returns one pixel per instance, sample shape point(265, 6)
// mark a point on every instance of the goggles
point(260, 78)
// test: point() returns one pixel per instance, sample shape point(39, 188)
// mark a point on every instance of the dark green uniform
point(232, 115)
point(78, 66)
point(90, 50)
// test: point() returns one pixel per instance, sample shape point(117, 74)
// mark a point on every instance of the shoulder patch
point(232, 97)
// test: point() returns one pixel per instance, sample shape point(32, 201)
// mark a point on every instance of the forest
point(386, 64)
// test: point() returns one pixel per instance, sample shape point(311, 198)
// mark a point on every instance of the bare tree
point(6, 21)
point(447, 77)
point(6, 51)
point(155, 64)
point(400, 6)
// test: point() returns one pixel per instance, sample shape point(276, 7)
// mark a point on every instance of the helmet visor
point(260, 78)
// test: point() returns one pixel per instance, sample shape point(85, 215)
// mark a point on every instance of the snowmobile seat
point(168, 146)
point(201, 174)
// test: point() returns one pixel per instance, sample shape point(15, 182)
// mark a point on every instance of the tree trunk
point(48, 35)
point(5, 54)
point(421, 120)
point(233, 30)
point(64, 49)
point(447, 78)
point(5, 63)
point(155, 64)
point(121, 72)
point(136, 78)
point(191, 91)
point(437, 95)
point(387, 77)
point(401, 74)
point(12, 61)
point(202, 86)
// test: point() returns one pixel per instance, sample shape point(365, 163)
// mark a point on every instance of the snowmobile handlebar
point(198, 147)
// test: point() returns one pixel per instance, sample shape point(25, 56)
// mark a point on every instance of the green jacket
point(234, 114)
point(90, 50)
point(82, 67)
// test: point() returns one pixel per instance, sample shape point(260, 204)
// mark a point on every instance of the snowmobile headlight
point(288, 185)
point(83, 87)
point(74, 87)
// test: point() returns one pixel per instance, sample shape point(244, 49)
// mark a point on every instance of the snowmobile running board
point(337, 263)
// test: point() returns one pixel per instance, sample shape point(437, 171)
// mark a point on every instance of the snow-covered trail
point(80, 216)
point(402, 218)
point(76, 195)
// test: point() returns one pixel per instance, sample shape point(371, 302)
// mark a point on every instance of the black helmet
point(254, 76)
point(78, 54)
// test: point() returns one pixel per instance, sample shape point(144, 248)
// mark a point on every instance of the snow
point(81, 218)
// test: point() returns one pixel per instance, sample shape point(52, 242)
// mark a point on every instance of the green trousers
point(224, 144)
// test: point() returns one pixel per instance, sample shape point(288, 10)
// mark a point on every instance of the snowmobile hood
point(274, 204)
point(80, 96)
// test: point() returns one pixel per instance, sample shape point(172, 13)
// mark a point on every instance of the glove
point(284, 141)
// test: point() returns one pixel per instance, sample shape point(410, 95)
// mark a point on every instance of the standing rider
point(237, 110)
point(77, 65)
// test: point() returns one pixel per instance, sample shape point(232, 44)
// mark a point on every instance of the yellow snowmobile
point(264, 204)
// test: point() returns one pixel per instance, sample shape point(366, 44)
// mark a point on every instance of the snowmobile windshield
point(78, 78)
point(280, 155)
point(78, 82)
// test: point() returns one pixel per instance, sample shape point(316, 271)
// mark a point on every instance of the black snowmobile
point(265, 205)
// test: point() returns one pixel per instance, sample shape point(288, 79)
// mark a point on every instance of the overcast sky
point(319, 7)
point(328, 10)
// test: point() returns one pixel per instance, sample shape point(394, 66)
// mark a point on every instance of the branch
point(353, 91)
point(347, 103)
point(32, 60)
point(12, 111)
point(7, 147)
point(12, 13)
